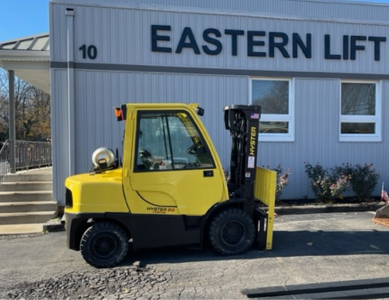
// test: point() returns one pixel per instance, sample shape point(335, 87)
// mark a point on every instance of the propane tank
point(103, 158)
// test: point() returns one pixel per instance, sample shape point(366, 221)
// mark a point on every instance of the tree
point(3, 106)
point(32, 110)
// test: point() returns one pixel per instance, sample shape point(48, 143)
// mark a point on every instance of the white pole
point(12, 131)
point(71, 92)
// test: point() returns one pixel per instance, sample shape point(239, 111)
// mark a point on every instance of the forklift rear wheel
point(232, 231)
point(104, 245)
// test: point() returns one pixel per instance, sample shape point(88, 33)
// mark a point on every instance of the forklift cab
point(172, 165)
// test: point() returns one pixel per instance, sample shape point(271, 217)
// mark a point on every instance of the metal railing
point(4, 163)
point(28, 154)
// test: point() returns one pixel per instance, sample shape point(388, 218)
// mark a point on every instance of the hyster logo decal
point(161, 210)
point(253, 137)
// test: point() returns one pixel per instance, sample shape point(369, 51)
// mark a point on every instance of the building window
point(360, 112)
point(275, 96)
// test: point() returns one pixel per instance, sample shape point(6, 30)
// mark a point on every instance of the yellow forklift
point(169, 188)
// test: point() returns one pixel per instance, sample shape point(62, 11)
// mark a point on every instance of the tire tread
point(94, 230)
point(213, 231)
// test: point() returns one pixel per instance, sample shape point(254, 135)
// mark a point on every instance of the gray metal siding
point(98, 92)
point(59, 128)
point(316, 121)
point(57, 31)
point(372, 12)
point(317, 138)
point(123, 37)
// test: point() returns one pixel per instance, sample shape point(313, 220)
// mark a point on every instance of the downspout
point(71, 93)
point(12, 134)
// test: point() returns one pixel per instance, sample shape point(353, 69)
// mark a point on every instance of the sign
point(261, 43)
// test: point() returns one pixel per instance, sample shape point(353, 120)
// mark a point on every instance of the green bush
point(363, 179)
point(326, 185)
point(282, 180)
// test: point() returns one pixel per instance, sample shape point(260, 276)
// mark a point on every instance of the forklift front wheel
point(104, 245)
point(232, 231)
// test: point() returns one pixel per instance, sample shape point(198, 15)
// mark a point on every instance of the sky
point(23, 18)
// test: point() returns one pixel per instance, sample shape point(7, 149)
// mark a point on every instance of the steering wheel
point(194, 149)
point(146, 158)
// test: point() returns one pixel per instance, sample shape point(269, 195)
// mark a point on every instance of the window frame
point(136, 168)
point(289, 118)
point(376, 119)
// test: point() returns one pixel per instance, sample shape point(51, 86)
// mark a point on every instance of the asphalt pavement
point(307, 249)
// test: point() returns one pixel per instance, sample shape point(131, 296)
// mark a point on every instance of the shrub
point(363, 179)
point(327, 186)
point(282, 180)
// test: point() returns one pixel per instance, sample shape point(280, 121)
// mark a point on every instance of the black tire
point(104, 245)
point(232, 232)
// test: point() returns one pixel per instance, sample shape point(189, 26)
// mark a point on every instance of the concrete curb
point(328, 208)
point(53, 225)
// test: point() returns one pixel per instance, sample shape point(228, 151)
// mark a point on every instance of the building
point(319, 69)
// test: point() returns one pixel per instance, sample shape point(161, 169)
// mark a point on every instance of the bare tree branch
point(32, 110)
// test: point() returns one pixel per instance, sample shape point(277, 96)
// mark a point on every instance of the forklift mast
point(243, 123)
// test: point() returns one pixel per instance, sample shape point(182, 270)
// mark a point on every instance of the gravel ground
point(134, 281)
point(307, 249)
point(119, 283)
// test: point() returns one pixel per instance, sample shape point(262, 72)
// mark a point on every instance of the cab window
point(169, 141)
